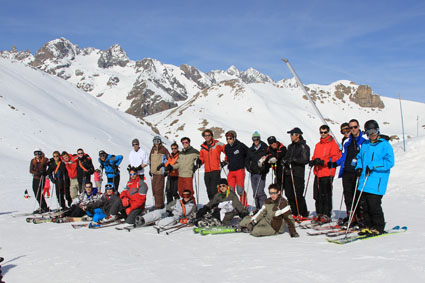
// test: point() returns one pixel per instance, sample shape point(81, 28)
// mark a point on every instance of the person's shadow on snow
point(6, 266)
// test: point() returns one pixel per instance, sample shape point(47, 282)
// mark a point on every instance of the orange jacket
point(134, 196)
point(210, 155)
point(171, 161)
point(327, 150)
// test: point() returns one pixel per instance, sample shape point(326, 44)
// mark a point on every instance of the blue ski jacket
point(111, 164)
point(340, 162)
point(379, 157)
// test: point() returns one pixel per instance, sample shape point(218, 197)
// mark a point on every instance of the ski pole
point(358, 201)
point(353, 201)
point(197, 193)
point(247, 189)
point(295, 191)
point(196, 188)
point(340, 205)
point(308, 180)
point(176, 229)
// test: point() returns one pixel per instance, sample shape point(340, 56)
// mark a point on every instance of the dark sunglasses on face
point(345, 131)
point(206, 136)
point(132, 174)
point(80, 153)
point(324, 132)
point(354, 127)
point(174, 148)
point(222, 186)
point(134, 144)
point(255, 139)
point(229, 139)
point(37, 153)
point(55, 155)
point(273, 193)
point(294, 134)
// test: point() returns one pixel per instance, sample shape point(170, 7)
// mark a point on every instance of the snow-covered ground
point(39, 110)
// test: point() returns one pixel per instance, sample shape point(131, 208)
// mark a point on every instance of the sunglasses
point(345, 131)
point(322, 133)
point(135, 144)
point(255, 139)
point(133, 174)
point(55, 155)
point(80, 153)
point(37, 153)
point(156, 141)
point(294, 134)
point(174, 148)
point(229, 139)
point(273, 193)
point(222, 186)
point(354, 127)
point(205, 136)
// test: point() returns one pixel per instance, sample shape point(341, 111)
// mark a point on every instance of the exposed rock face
point(54, 51)
point(113, 56)
point(193, 74)
point(365, 97)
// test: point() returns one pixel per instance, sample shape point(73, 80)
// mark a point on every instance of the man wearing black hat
point(294, 161)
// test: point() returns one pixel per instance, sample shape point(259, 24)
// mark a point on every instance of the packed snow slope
point(38, 110)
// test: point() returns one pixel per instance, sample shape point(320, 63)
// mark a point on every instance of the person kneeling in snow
point(224, 206)
point(273, 216)
point(105, 207)
point(178, 210)
point(133, 197)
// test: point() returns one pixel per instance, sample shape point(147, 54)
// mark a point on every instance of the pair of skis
point(218, 230)
point(352, 238)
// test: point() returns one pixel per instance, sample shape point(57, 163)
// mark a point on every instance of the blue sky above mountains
point(379, 43)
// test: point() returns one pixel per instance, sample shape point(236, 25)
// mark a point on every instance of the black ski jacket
point(254, 155)
point(298, 155)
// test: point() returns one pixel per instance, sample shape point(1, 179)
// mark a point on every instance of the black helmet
point(271, 139)
point(102, 153)
point(371, 124)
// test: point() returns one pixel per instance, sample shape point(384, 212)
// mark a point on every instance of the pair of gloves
point(360, 170)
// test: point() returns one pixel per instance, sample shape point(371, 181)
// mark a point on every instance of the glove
point(272, 160)
point(223, 163)
point(183, 221)
point(359, 172)
point(169, 168)
point(150, 174)
point(128, 167)
point(199, 162)
point(285, 162)
point(318, 161)
point(194, 168)
point(311, 163)
point(295, 235)
point(124, 202)
point(332, 165)
point(201, 212)
point(368, 170)
point(160, 166)
point(243, 214)
point(165, 174)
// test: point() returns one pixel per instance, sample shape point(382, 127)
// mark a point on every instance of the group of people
point(364, 168)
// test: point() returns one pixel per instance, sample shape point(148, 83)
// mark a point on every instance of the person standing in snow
point(275, 152)
point(171, 187)
point(158, 156)
point(70, 162)
point(325, 152)
point(110, 163)
point(272, 218)
point(139, 159)
point(236, 154)
point(374, 163)
point(296, 158)
point(58, 175)
point(258, 174)
point(38, 168)
point(210, 156)
point(85, 168)
point(350, 148)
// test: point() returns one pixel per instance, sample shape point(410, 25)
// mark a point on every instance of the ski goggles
point(156, 141)
point(109, 186)
point(255, 139)
point(186, 195)
point(273, 193)
point(133, 174)
point(372, 132)
point(345, 131)
point(38, 153)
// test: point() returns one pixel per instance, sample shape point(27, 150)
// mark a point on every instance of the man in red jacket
point(70, 162)
point(133, 197)
point(210, 154)
point(326, 151)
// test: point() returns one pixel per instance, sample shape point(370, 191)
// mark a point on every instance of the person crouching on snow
point(273, 216)
point(105, 207)
point(178, 210)
point(225, 205)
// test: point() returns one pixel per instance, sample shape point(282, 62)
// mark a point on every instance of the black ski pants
point(349, 180)
point(116, 181)
point(322, 194)
point(373, 216)
point(62, 193)
point(290, 195)
point(37, 187)
point(212, 179)
point(171, 188)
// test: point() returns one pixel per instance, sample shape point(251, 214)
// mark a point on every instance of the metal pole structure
point(417, 125)
point(309, 98)
point(402, 123)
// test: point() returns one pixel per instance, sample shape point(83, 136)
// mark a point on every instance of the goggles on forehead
point(109, 186)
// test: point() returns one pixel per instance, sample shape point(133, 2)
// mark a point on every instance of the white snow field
point(38, 110)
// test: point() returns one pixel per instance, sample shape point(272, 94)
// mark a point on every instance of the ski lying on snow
point(126, 228)
point(222, 230)
point(104, 225)
point(353, 238)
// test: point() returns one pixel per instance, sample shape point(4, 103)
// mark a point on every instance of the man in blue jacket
point(374, 162)
point(111, 165)
point(347, 163)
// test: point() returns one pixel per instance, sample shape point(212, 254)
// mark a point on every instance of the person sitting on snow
point(105, 207)
point(225, 205)
point(272, 218)
point(178, 210)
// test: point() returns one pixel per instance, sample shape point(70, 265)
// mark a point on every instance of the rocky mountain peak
point(55, 50)
point(253, 76)
point(113, 56)
point(233, 71)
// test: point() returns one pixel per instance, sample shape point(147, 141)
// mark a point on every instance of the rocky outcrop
point(54, 51)
point(366, 98)
point(113, 56)
point(193, 74)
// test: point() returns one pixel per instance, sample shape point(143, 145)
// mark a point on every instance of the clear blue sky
point(379, 43)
